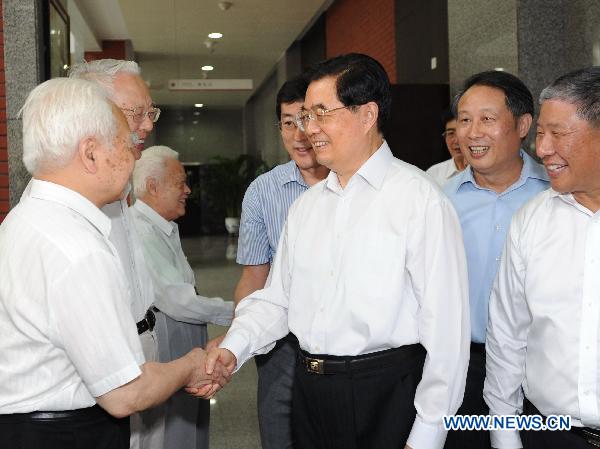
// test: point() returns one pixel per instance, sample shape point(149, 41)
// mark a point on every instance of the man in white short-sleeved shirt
point(67, 336)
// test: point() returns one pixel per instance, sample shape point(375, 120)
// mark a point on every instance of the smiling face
point(570, 150)
point(488, 133)
point(131, 92)
point(339, 140)
point(172, 191)
point(294, 140)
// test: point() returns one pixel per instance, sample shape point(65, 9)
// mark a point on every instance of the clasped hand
point(213, 371)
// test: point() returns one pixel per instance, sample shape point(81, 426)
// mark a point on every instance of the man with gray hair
point(126, 88)
point(542, 339)
point(72, 364)
point(159, 183)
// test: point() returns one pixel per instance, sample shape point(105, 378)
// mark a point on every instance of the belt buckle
point(150, 319)
point(315, 366)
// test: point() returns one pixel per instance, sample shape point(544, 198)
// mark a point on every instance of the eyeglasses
point(318, 114)
point(449, 133)
point(138, 114)
point(287, 125)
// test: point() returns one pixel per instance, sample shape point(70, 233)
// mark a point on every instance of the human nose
point(298, 134)
point(187, 190)
point(474, 129)
point(543, 145)
point(146, 124)
point(311, 126)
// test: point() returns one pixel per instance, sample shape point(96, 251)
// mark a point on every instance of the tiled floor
point(233, 424)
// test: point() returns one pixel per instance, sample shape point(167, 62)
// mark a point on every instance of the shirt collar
point(49, 191)
point(530, 169)
point(373, 170)
point(154, 217)
point(570, 199)
point(291, 173)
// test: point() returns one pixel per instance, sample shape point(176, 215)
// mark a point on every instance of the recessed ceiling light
point(207, 68)
point(198, 105)
point(215, 35)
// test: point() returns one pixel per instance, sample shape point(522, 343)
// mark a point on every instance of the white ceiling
point(168, 38)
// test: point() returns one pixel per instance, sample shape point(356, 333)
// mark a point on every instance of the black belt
point(326, 364)
point(81, 413)
point(478, 348)
point(592, 436)
point(147, 324)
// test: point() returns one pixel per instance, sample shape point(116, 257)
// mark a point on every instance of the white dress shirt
point(544, 315)
point(124, 236)
point(377, 265)
point(443, 171)
point(173, 277)
point(125, 239)
point(66, 331)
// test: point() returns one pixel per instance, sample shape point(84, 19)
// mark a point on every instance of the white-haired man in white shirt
point(126, 88)
point(542, 343)
point(161, 190)
point(67, 335)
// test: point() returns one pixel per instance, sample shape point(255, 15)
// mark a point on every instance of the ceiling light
point(207, 68)
point(215, 35)
point(225, 5)
point(198, 105)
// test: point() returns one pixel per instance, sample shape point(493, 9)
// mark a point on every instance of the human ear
point(523, 124)
point(87, 152)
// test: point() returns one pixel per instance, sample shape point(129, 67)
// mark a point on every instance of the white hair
point(57, 115)
point(104, 71)
point(152, 164)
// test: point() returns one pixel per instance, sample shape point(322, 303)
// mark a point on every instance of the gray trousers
point(274, 395)
point(148, 426)
point(186, 417)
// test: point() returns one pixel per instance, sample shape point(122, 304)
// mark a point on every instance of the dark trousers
point(548, 439)
point(91, 428)
point(473, 404)
point(274, 395)
point(359, 409)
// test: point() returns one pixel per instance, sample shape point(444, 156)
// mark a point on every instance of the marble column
point(23, 59)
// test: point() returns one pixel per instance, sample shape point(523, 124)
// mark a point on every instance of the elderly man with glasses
point(370, 275)
point(126, 88)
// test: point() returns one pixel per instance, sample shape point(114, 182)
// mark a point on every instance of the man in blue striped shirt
point(264, 211)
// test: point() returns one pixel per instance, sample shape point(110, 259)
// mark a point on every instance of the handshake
point(210, 371)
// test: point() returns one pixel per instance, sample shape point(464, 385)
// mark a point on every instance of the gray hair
point(104, 71)
point(580, 88)
point(151, 165)
point(57, 115)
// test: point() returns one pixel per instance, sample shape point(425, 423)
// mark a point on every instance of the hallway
point(233, 424)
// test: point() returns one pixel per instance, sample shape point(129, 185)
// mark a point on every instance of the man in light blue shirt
point(494, 113)
point(264, 212)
